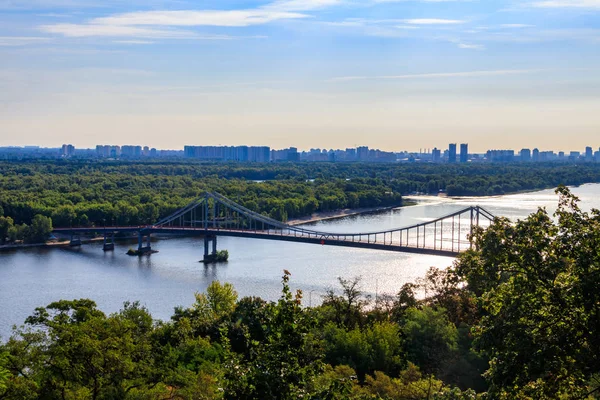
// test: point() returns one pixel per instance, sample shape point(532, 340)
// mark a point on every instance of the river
point(36, 277)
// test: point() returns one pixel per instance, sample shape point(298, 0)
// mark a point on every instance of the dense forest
point(517, 317)
point(83, 193)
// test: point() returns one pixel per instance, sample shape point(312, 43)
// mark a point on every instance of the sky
point(389, 74)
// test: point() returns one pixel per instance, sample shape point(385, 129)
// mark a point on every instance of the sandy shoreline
point(64, 243)
point(327, 215)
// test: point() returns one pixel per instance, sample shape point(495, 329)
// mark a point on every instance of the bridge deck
point(214, 214)
point(266, 235)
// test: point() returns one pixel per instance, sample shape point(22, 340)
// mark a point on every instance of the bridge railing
point(449, 232)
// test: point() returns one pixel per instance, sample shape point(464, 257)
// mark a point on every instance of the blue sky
point(397, 74)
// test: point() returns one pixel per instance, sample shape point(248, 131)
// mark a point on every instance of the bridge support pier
point(75, 240)
point(210, 257)
point(142, 246)
point(109, 242)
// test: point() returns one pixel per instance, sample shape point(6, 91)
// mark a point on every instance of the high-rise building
point(436, 155)
point(452, 153)
point(362, 153)
point(536, 155)
point(525, 155)
point(503, 156)
point(259, 154)
point(464, 152)
point(67, 150)
point(131, 151)
point(350, 154)
point(589, 154)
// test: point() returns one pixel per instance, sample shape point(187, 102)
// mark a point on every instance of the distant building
point(350, 154)
point(574, 156)
point(589, 154)
point(290, 154)
point(536, 155)
point(67, 150)
point(130, 151)
point(107, 151)
point(525, 155)
point(452, 153)
point(503, 156)
point(436, 155)
point(464, 153)
point(362, 153)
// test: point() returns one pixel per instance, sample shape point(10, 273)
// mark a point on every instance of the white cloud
point(468, 74)
point(471, 46)
point(517, 26)
point(134, 42)
point(433, 21)
point(301, 5)
point(422, 1)
point(21, 40)
point(82, 30)
point(128, 24)
point(589, 4)
point(233, 18)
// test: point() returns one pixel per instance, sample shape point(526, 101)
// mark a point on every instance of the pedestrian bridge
point(213, 215)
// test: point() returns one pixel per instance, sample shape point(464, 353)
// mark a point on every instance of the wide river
point(36, 277)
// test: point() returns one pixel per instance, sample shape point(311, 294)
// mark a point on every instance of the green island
point(36, 195)
point(517, 317)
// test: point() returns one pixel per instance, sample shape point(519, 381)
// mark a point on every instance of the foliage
point(430, 337)
point(536, 283)
point(6, 225)
point(75, 193)
point(40, 229)
point(523, 305)
point(376, 348)
point(4, 373)
point(347, 309)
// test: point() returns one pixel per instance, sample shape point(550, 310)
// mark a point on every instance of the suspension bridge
point(213, 215)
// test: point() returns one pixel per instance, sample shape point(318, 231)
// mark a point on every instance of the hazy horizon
point(389, 74)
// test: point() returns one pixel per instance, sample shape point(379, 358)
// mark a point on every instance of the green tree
point(375, 348)
point(4, 373)
point(6, 224)
point(430, 338)
point(64, 216)
point(537, 285)
point(347, 308)
point(76, 349)
point(283, 365)
point(40, 229)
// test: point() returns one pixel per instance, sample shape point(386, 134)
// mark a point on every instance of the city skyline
point(329, 73)
point(243, 153)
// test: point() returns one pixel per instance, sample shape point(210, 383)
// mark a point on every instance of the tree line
point(97, 193)
point(516, 317)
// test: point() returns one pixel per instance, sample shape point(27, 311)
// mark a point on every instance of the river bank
point(51, 245)
point(336, 214)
